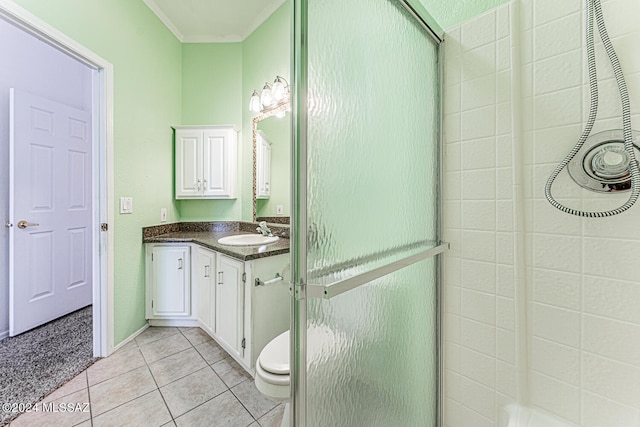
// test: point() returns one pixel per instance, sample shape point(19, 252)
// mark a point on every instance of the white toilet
point(272, 366)
point(272, 372)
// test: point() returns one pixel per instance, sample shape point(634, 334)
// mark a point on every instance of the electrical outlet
point(279, 210)
point(163, 215)
point(126, 205)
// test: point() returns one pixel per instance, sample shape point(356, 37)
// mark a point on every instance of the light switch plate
point(279, 210)
point(163, 215)
point(126, 205)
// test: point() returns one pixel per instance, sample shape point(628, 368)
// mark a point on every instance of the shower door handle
point(24, 224)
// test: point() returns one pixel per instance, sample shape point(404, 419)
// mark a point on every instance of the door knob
point(24, 224)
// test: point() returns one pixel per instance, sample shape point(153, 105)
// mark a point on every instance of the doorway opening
point(99, 236)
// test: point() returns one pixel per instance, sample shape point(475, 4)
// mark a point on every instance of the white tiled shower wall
point(541, 308)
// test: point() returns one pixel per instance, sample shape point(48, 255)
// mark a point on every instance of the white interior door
point(50, 209)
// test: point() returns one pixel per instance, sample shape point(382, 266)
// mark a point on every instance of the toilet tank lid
point(274, 357)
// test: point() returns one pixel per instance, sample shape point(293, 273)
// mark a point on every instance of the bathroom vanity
point(192, 280)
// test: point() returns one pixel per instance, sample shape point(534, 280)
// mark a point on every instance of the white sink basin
point(247, 240)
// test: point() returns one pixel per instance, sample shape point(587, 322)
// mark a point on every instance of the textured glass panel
point(372, 133)
point(372, 353)
point(372, 130)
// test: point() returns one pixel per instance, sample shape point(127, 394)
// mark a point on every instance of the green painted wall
point(212, 95)
point(147, 81)
point(266, 53)
point(450, 13)
point(211, 83)
point(218, 79)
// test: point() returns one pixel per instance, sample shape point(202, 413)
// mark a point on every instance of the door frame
point(102, 242)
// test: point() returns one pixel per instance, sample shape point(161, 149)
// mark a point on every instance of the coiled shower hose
point(594, 8)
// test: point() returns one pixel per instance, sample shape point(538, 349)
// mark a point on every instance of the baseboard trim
point(4, 334)
point(187, 323)
point(131, 337)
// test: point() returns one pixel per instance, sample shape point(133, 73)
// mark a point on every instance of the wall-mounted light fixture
point(272, 96)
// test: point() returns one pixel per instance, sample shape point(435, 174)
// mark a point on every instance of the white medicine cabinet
point(206, 162)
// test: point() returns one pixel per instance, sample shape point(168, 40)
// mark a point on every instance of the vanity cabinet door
point(204, 277)
point(219, 162)
point(230, 304)
point(206, 162)
point(170, 282)
point(188, 163)
point(263, 167)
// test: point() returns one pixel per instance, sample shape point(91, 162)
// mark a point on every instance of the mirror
point(276, 131)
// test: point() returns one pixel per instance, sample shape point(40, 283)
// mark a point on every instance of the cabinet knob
point(206, 271)
point(220, 277)
point(179, 263)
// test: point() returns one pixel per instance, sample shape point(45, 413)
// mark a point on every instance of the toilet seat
point(274, 357)
point(268, 377)
point(272, 368)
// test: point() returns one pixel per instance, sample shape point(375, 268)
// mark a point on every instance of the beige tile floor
point(165, 377)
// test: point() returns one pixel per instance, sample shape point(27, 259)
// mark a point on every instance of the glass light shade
point(266, 98)
point(254, 102)
point(278, 90)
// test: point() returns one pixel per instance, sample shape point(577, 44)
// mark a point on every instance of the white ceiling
point(209, 21)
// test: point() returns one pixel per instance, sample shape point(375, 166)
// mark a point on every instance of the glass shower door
point(365, 240)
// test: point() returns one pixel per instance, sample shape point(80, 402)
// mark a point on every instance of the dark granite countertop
point(207, 234)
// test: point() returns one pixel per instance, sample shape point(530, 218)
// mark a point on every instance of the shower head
point(602, 164)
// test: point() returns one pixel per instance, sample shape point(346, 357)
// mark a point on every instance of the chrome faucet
point(266, 231)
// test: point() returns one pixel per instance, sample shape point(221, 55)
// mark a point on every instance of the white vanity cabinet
point(230, 304)
point(249, 316)
point(263, 166)
point(206, 160)
point(168, 281)
point(204, 275)
point(191, 285)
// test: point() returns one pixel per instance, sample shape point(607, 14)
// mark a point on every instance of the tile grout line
point(86, 379)
point(152, 377)
point(118, 406)
point(240, 401)
point(207, 366)
point(228, 388)
point(159, 391)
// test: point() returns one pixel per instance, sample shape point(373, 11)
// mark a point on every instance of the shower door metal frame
point(299, 285)
point(440, 270)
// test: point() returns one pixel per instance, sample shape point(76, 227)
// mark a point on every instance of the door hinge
point(244, 343)
point(104, 226)
point(244, 277)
